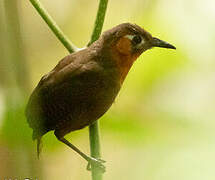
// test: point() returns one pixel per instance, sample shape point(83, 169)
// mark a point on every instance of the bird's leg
point(91, 161)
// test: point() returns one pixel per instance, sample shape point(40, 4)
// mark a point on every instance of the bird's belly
point(82, 104)
point(93, 108)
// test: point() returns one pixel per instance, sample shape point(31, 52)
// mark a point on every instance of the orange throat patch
point(122, 53)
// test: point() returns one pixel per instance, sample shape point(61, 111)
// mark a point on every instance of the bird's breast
point(85, 99)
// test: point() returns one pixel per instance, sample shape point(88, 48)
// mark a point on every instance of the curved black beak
point(159, 43)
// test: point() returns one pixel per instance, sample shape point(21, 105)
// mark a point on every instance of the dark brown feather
point(75, 93)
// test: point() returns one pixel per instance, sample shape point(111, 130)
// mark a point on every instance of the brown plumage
point(84, 84)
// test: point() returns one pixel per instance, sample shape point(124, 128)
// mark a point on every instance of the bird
point(84, 84)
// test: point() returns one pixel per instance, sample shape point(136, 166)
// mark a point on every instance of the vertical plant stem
point(94, 128)
point(53, 26)
point(95, 149)
point(99, 21)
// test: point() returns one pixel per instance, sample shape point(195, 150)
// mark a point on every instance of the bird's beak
point(159, 43)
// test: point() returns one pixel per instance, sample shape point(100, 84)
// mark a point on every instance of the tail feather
point(37, 135)
point(39, 146)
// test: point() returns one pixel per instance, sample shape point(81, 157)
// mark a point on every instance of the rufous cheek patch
point(124, 46)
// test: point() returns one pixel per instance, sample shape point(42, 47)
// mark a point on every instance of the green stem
point(95, 149)
point(53, 26)
point(94, 140)
point(99, 21)
point(94, 128)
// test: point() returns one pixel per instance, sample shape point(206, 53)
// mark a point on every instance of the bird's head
point(126, 42)
point(132, 40)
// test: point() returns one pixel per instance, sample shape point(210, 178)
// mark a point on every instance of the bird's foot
point(97, 163)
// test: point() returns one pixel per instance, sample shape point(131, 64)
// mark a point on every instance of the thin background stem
point(53, 26)
point(94, 128)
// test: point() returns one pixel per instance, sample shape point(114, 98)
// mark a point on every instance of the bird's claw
point(96, 163)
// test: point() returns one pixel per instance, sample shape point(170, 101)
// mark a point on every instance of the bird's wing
point(53, 84)
point(70, 66)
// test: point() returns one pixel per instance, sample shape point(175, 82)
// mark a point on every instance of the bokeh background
point(161, 126)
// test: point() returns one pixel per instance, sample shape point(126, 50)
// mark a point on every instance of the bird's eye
point(136, 39)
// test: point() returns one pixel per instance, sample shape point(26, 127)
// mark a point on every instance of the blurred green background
point(161, 126)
